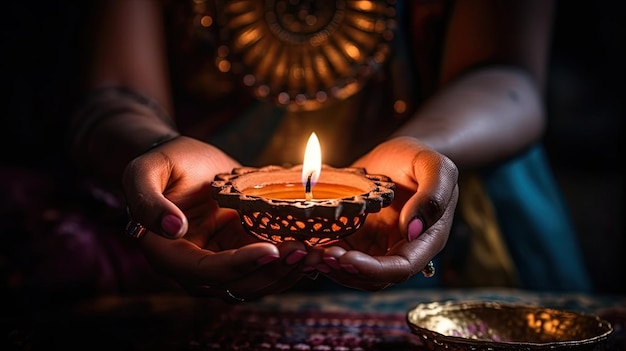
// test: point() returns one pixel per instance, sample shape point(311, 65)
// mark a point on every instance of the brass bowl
point(498, 326)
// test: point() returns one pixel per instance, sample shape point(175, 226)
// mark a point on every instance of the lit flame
point(312, 165)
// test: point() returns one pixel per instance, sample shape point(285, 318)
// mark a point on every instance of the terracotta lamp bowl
point(272, 203)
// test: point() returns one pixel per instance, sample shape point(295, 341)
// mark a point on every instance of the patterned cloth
point(303, 321)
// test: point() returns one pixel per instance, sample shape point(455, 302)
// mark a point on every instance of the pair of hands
point(207, 251)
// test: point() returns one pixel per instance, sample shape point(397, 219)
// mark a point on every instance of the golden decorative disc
point(303, 53)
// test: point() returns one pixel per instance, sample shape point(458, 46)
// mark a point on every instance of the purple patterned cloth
point(63, 239)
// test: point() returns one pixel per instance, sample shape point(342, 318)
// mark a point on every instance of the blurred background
point(585, 140)
point(586, 100)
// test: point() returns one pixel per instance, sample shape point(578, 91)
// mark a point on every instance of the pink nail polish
point(295, 257)
point(349, 268)
point(332, 262)
point(308, 269)
point(415, 229)
point(267, 259)
point(322, 268)
point(171, 225)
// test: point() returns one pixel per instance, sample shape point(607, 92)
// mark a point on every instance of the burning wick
point(311, 166)
point(307, 188)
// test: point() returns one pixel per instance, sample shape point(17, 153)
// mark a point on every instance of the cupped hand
point(201, 246)
point(399, 241)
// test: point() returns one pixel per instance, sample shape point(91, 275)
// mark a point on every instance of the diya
point(313, 203)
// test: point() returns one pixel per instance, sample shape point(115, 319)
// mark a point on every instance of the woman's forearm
point(484, 116)
point(128, 105)
point(114, 126)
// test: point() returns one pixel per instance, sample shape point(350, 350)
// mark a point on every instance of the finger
point(370, 273)
point(346, 273)
point(247, 289)
point(403, 260)
point(437, 178)
point(145, 179)
point(273, 277)
point(407, 258)
point(181, 258)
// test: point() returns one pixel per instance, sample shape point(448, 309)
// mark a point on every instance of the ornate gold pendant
point(303, 53)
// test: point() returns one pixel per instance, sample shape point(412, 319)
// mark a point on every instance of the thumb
point(436, 177)
point(144, 180)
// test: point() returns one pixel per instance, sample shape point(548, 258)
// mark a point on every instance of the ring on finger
point(225, 294)
point(134, 229)
point(429, 270)
point(233, 297)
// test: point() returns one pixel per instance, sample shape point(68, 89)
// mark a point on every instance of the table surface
point(293, 321)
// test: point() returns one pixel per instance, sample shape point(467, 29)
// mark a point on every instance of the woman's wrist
point(163, 140)
point(113, 126)
point(485, 116)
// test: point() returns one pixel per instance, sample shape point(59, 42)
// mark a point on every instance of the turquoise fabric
point(535, 223)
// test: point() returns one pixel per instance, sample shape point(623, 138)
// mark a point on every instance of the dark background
point(39, 52)
point(586, 105)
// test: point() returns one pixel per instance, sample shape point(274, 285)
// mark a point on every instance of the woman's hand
point(399, 241)
point(201, 246)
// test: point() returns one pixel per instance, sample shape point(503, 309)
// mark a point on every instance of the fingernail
point(322, 268)
point(349, 268)
point(307, 269)
point(295, 257)
point(332, 262)
point(267, 259)
point(416, 226)
point(171, 225)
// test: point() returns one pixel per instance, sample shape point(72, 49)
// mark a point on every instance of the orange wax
point(295, 191)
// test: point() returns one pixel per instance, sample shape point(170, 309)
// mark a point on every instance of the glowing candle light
point(312, 165)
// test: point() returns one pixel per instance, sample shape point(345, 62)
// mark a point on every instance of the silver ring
point(429, 270)
point(135, 229)
point(234, 298)
point(226, 295)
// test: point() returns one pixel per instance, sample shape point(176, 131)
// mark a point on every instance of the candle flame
point(312, 165)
